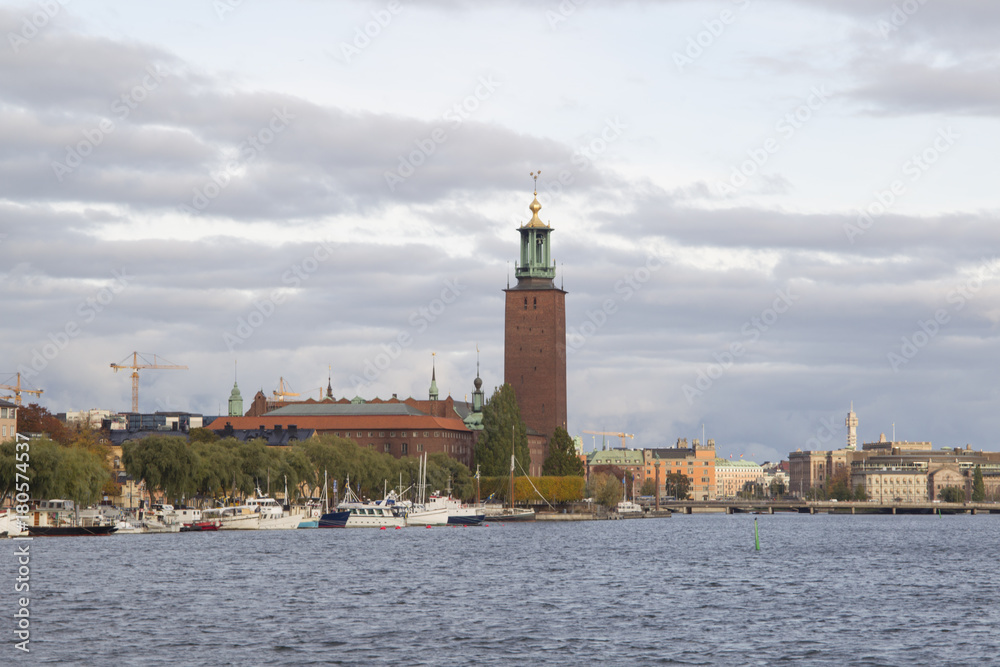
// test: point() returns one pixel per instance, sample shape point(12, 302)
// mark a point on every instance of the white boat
point(272, 515)
point(627, 508)
point(126, 527)
point(355, 513)
point(445, 511)
point(240, 517)
point(11, 525)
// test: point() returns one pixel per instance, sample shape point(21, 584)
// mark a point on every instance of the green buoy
point(756, 535)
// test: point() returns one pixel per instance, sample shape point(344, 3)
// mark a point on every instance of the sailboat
point(440, 510)
point(509, 512)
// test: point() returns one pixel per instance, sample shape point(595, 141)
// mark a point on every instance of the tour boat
point(445, 511)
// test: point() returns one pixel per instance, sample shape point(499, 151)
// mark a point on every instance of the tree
point(777, 488)
point(563, 460)
point(164, 462)
point(648, 488)
point(502, 424)
point(839, 486)
point(751, 490)
point(978, 486)
point(605, 489)
point(677, 485)
point(33, 418)
point(952, 494)
point(860, 493)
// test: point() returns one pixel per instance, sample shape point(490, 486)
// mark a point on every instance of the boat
point(11, 525)
point(626, 509)
point(352, 512)
point(509, 513)
point(239, 517)
point(272, 515)
point(127, 527)
point(200, 526)
point(440, 510)
point(69, 531)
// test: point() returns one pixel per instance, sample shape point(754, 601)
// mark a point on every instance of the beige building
point(906, 483)
point(8, 420)
point(731, 476)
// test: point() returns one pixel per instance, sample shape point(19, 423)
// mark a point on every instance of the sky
point(764, 211)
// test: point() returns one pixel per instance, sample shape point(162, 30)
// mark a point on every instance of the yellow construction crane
point(282, 391)
point(18, 390)
point(618, 435)
point(135, 366)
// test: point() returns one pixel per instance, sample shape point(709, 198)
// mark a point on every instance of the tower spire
point(434, 387)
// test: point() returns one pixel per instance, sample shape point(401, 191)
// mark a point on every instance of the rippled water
point(824, 589)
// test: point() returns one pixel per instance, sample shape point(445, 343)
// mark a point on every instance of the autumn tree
point(562, 460)
point(677, 485)
point(648, 488)
point(33, 418)
point(502, 430)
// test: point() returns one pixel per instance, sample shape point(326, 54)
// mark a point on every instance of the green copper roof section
point(615, 457)
point(536, 251)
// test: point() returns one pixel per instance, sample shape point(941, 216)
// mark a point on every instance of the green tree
point(978, 486)
point(860, 493)
point(502, 429)
point(605, 489)
point(648, 488)
point(677, 485)
point(563, 460)
point(777, 488)
point(952, 494)
point(166, 463)
point(80, 476)
point(753, 490)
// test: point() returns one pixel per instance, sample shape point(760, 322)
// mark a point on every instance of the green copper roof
point(615, 457)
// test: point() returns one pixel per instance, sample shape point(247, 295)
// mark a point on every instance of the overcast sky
point(763, 210)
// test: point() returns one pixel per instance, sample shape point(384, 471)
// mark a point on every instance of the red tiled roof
point(343, 423)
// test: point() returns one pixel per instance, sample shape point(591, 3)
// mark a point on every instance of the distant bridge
point(823, 507)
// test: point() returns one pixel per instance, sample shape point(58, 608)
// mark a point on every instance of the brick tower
point(535, 336)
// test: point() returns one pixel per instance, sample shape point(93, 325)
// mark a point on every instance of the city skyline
point(763, 211)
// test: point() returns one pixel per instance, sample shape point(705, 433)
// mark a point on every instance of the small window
point(388, 447)
point(403, 448)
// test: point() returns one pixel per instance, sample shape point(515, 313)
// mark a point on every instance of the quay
point(825, 507)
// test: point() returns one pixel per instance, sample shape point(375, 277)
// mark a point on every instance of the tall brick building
point(535, 338)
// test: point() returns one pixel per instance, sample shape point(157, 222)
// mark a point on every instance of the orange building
point(697, 463)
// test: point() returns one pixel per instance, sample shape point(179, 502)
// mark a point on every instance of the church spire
point(329, 383)
point(434, 387)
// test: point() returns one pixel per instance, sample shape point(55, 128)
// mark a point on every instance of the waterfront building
point(8, 420)
point(813, 469)
point(535, 338)
point(696, 462)
point(731, 476)
point(629, 460)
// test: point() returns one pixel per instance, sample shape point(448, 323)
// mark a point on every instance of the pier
point(824, 507)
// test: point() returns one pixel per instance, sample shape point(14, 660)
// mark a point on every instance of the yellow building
point(731, 476)
point(8, 420)
point(697, 463)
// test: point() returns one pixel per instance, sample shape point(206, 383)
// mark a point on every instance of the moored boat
point(355, 513)
point(272, 515)
point(240, 517)
point(69, 531)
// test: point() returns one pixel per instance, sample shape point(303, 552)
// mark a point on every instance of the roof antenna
point(508, 274)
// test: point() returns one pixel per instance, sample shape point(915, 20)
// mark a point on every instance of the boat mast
point(512, 466)
point(477, 485)
point(326, 496)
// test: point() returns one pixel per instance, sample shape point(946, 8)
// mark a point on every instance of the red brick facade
point(535, 358)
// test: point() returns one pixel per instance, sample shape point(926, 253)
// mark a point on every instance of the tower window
point(534, 303)
point(526, 303)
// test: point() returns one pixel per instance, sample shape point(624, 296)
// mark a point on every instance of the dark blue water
point(823, 590)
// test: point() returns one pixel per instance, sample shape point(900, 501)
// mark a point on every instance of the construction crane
point(282, 391)
point(135, 366)
point(618, 435)
point(18, 390)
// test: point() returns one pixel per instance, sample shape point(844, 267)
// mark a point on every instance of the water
point(691, 590)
